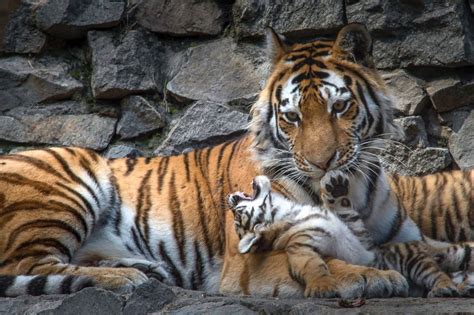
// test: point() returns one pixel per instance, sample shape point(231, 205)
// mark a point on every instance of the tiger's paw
point(323, 287)
point(335, 190)
point(120, 280)
point(150, 269)
point(444, 289)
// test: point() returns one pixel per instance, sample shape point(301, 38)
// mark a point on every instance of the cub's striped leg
point(414, 261)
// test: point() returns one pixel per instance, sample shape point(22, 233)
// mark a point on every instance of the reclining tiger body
point(269, 221)
point(70, 218)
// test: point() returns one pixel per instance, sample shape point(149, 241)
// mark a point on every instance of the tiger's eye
point(292, 117)
point(339, 107)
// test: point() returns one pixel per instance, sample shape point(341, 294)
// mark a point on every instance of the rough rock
point(461, 143)
point(220, 71)
point(437, 129)
point(139, 116)
point(414, 132)
point(402, 160)
point(122, 65)
point(149, 297)
point(85, 130)
point(181, 17)
point(72, 19)
point(121, 151)
point(300, 17)
point(417, 33)
point(25, 81)
point(18, 32)
point(203, 124)
point(153, 297)
point(409, 95)
point(455, 119)
point(450, 92)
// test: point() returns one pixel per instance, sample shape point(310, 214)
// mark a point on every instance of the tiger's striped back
point(441, 204)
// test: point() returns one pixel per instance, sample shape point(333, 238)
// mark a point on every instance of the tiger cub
point(268, 221)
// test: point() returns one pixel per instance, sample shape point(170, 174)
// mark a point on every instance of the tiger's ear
point(355, 44)
point(277, 45)
point(247, 242)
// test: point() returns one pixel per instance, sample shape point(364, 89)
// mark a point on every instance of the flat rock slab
point(181, 17)
point(203, 124)
point(72, 18)
point(298, 17)
point(461, 143)
point(122, 64)
point(410, 97)
point(220, 71)
point(18, 32)
point(402, 160)
point(86, 130)
point(417, 33)
point(139, 116)
point(451, 92)
point(155, 298)
point(27, 81)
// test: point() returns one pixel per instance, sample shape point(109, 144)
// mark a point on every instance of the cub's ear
point(355, 44)
point(247, 242)
point(277, 45)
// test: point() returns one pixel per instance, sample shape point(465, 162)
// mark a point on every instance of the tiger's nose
point(326, 163)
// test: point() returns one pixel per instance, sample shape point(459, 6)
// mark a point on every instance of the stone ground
point(155, 298)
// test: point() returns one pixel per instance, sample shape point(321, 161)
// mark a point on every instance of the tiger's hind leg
point(117, 279)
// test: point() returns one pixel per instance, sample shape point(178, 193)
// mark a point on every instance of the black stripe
point(87, 205)
point(465, 264)
point(199, 267)
point(131, 163)
point(167, 259)
point(177, 217)
point(73, 176)
point(370, 118)
point(52, 205)
point(203, 222)
point(143, 209)
point(44, 223)
point(36, 285)
point(162, 171)
point(42, 165)
point(47, 242)
point(32, 253)
point(66, 284)
point(186, 165)
point(5, 283)
point(137, 241)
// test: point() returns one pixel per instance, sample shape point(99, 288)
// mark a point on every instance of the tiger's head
point(323, 105)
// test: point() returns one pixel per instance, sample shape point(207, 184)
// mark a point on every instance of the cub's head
point(322, 107)
point(252, 215)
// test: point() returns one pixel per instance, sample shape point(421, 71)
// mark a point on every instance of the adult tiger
point(70, 218)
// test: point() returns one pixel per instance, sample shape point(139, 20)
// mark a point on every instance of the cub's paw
point(335, 190)
point(465, 283)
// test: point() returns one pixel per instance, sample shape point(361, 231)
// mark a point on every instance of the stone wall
point(146, 77)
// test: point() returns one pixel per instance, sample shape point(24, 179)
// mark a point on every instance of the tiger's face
point(323, 105)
